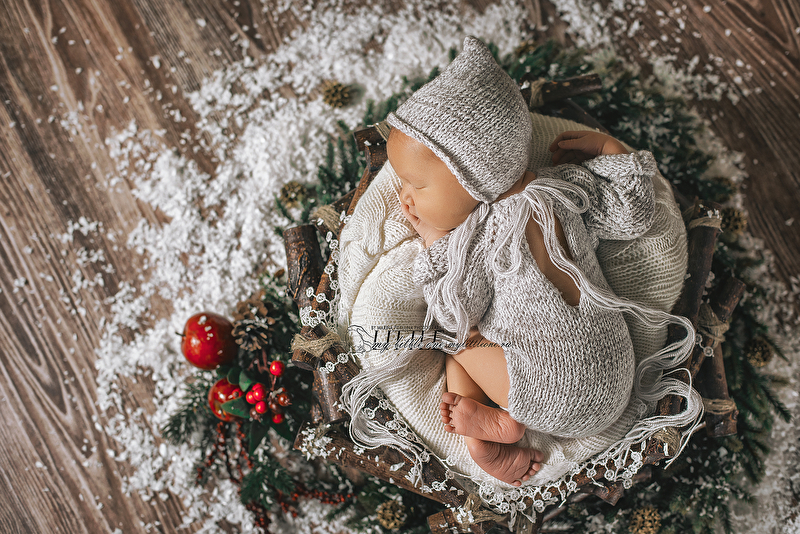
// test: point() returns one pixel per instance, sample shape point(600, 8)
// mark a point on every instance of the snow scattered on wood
point(218, 234)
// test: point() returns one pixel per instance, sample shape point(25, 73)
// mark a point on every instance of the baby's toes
point(450, 398)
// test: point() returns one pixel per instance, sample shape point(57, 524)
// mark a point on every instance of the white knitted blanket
point(377, 250)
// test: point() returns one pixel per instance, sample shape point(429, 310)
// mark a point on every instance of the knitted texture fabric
point(571, 369)
point(473, 117)
point(377, 249)
point(661, 250)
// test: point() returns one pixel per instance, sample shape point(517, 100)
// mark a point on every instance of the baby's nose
point(405, 195)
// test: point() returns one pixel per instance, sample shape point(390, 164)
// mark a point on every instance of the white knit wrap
point(377, 251)
point(473, 117)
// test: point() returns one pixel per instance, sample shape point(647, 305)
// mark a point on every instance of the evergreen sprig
point(193, 413)
point(261, 483)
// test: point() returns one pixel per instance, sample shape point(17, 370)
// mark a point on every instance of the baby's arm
point(620, 186)
point(578, 146)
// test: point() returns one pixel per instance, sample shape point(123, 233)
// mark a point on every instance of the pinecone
point(525, 47)
point(734, 223)
point(645, 521)
point(758, 352)
point(252, 335)
point(253, 309)
point(293, 194)
point(335, 94)
point(392, 515)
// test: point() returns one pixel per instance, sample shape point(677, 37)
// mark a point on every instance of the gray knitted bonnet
point(473, 117)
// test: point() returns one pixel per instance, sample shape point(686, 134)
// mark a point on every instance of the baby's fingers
point(561, 157)
point(413, 219)
point(565, 136)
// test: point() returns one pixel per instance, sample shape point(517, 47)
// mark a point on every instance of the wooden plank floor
point(72, 71)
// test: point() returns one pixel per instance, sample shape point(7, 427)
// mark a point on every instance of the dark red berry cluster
point(275, 401)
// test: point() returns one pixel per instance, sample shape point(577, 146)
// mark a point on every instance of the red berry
point(220, 393)
point(208, 341)
point(278, 418)
point(283, 399)
point(258, 394)
point(277, 367)
point(250, 398)
point(258, 385)
point(261, 407)
point(275, 407)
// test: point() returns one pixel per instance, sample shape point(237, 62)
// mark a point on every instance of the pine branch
point(267, 477)
point(192, 414)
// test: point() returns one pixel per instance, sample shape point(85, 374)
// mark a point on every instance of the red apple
point(208, 341)
point(220, 393)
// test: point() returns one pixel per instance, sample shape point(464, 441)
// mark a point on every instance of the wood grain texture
point(63, 92)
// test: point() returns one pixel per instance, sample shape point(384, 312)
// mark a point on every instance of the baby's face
point(429, 190)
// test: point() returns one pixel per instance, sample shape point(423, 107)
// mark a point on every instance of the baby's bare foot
point(468, 417)
point(509, 463)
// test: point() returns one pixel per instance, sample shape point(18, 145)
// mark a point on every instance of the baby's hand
point(428, 233)
point(578, 146)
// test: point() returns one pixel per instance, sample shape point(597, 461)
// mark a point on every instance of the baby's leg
point(464, 407)
point(488, 431)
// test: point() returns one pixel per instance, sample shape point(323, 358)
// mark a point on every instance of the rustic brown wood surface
point(74, 71)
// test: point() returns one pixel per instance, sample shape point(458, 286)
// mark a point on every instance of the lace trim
point(615, 465)
point(311, 317)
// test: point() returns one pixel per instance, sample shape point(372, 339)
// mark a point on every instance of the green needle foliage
point(193, 414)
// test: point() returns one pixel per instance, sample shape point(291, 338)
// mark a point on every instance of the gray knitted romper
point(571, 369)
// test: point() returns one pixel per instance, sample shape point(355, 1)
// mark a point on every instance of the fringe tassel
point(539, 205)
point(364, 430)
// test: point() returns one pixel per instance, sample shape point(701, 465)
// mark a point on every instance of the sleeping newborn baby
point(509, 264)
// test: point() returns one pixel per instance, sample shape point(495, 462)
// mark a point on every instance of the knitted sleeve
point(620, 188)
point(473, 290)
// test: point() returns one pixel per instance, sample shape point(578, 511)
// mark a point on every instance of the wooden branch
point(445, 522)
point(385, 463)
point(373, 146)
point(721, 413)
point(610, 493)
point(303, 261)
point(343, 204)
point(727, 296)
point(305, 268)
point(369, 141)
point(701, 243)
point(556, 90)
point(316, 415)
point(720, 421)
point(327, 386)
